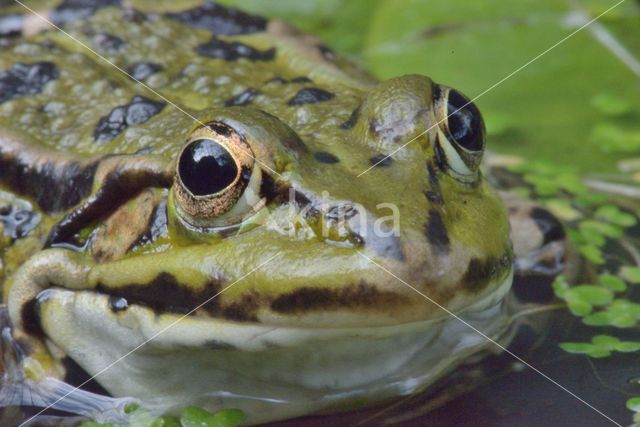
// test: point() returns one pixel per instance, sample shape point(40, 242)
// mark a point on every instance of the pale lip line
point(498, 83)
point(144, 85)
point(483, 335)
point(148, 340)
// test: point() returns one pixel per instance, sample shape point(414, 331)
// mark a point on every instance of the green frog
point(204, 207)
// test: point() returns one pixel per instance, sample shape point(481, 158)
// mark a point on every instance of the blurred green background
point(577, 105)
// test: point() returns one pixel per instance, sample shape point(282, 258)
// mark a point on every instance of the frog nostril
point(550, 227)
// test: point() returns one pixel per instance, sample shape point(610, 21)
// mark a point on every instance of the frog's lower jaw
point(269, 372)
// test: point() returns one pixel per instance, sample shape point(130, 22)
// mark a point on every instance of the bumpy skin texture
point(95, 154)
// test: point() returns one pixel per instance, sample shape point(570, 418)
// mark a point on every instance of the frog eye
point(216, 183)
point(461, 134)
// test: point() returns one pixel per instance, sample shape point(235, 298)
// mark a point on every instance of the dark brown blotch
point(381, 160)
point(232, 51)
point(220, 20)
point(243, 98)
point(480, 273)
point(310, 95)
point(436, 233)
point(325, 157)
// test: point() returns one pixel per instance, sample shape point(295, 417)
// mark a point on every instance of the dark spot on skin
point(143, 70)
point(165, 294)
point(380, 160)
point(220, 20)
point(548, 224)
point(75, 10)
point(243, 98)
point(232, 51)
point(324, 157)
point(436, 233)
point(76, 376)
point(26, 79)
point(107, 42)
point(482, 272)
point(310, 95)
point(352, 120)
point(301, 80)
point(117, 304)
point(360, 296)
point(18, 221)
point(30, 316)
point(326, 52)
point(137, 112)
point(55, 186)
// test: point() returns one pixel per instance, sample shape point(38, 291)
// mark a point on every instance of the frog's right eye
point(216, 183)
point(461, 134)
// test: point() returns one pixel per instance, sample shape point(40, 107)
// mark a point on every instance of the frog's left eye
point(461, 134)
point(216, 183)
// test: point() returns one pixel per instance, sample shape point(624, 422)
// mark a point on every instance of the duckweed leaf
point(610, 104)
point(592, 253)
point(601, 346)
point(634, 404)
point(602, 228)
point(193, 416)
point(615, 215)
point(631, 274)
point(612, 282)
point(581, 299)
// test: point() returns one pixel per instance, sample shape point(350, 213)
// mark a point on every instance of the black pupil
point(465, 121)
point(206, 167)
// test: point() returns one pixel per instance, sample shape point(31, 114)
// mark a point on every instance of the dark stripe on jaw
point(436, 233)
point(164, 294)
point(359, 296)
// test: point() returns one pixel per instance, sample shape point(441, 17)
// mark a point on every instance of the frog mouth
point(301, 366)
